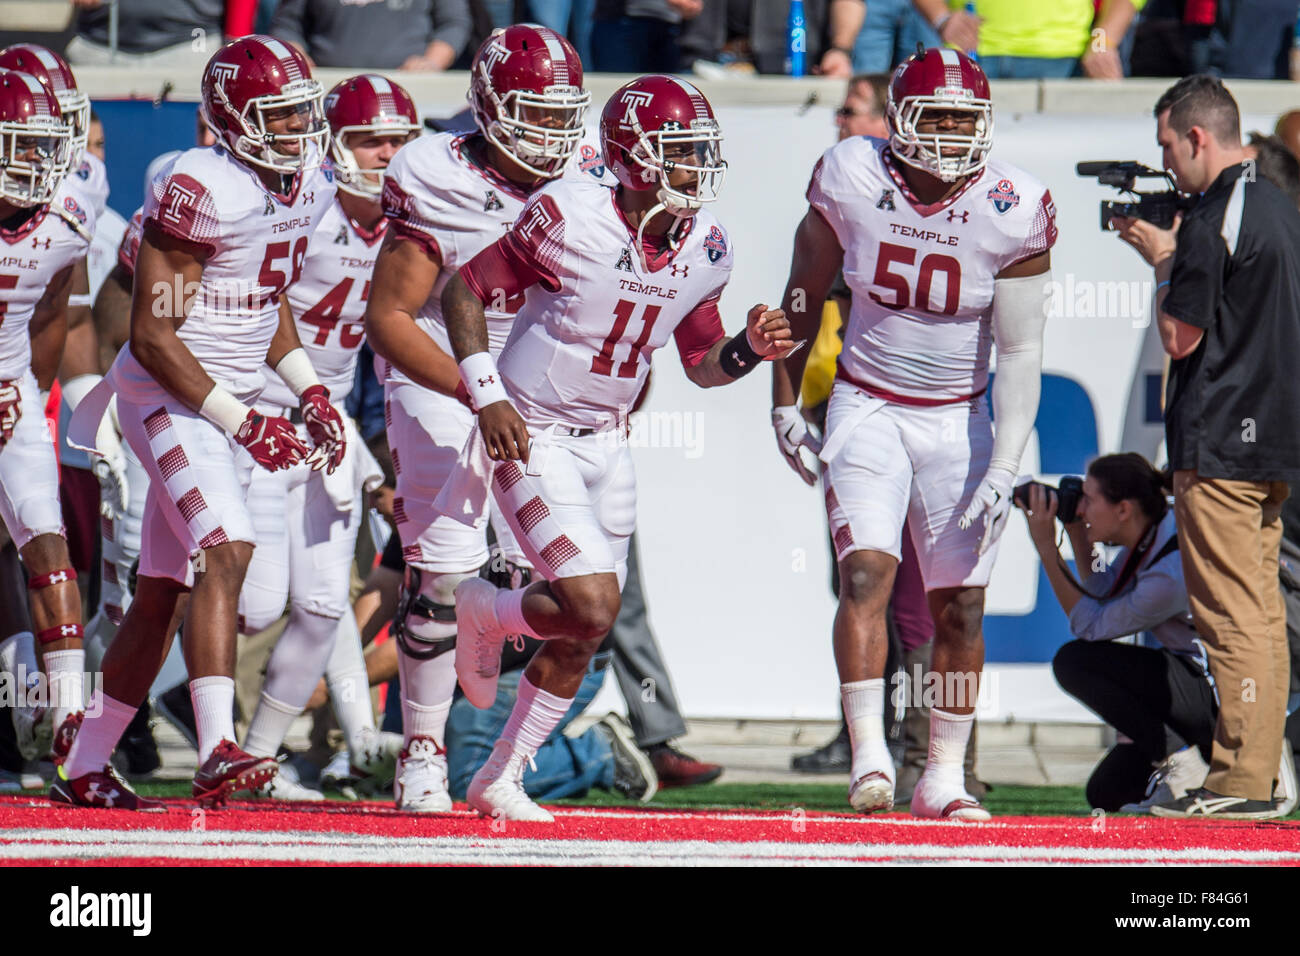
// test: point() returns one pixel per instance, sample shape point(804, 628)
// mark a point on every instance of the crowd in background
point(1025, 39)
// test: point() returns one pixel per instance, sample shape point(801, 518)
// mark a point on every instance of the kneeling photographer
point(1159, 698)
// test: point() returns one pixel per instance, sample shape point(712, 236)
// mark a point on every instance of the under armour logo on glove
point(10, 410)
point(271, 441)
point(325, 426)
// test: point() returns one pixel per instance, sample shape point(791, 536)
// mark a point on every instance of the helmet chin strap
point(674, 210)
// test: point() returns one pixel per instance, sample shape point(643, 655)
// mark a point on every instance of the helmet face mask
point(528, 100)
point(54, 74)
point(945, 82)
point(75, 106)
point(260, 101)
point(35, 141)
point(373, 107)
point(660, 133)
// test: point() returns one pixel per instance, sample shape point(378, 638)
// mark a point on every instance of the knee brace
point(41, 582)
point(425, 622)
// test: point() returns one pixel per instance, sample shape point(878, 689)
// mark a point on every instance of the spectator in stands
point(639, 36)
point(1053, 40)
point(1276, 163)
point(744, 36)
point(172, 33)
point(1159, 698)
point(1288, 130)
point(893, 28)
point(426, 35)
point(574, 20)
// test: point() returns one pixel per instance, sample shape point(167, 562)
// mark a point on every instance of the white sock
point(536, 713)
point(214, 704)
point(864, 711)
point(298, 661)
point(427, 689)
point(345, 676)
point(949, 735)
point(106, 719)
point(65, 670)
point(269, 726)
point(509, 609)
point(18, 657)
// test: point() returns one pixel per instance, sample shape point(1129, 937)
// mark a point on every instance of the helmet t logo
point(632, 100)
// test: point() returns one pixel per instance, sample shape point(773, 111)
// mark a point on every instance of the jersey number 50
point(895, 282)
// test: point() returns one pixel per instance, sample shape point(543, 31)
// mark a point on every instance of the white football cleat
point(421, 782)
point(374, 762)
point(34, 731)
point(497, 790)
point(938, 799)
point(872, 791)
point(285, 787)
point(479, 637)
point(337, 777)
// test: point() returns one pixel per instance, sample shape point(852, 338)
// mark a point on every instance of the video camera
point(1067, 496)
point(1157, 208)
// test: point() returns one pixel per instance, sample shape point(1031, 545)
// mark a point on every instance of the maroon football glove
point(273, 442)
point(10, 410)
point(325, 427)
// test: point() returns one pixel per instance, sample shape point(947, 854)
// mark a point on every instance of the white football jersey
point(110, 229)
point(581, 345)
point(329, 304)
point(436, 194)
point(30, 256)
point(91, 178)
point(922, 276)
point(256, 245)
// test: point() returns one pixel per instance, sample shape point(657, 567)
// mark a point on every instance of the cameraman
point(1160, 698)
point(1228, 309)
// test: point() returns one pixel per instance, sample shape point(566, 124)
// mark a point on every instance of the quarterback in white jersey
point(306, 520)
point(447, 197)
point(44, 234)
point(225, 234)
point(947, 255)
point(610, 276)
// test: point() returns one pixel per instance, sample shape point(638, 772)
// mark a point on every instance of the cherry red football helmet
point(656, 124)
point(375, 106)
point(939, 79)
point(526, 92)
point(53, 71)
point(254, 76)
point(35, 141)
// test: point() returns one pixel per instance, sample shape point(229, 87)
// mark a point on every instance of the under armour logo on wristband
point(69, 630)
point(58, 577)
point(735, 357)
point(485, 382)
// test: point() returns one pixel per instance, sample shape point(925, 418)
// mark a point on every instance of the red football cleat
point(103, 791)
point(229, 770)
point(64, 736)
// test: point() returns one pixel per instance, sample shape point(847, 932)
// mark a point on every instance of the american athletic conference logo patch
point(591, 161)
point(71, 206)
point(1004, 196)
point(715, 244)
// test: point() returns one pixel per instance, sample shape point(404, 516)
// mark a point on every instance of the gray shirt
point(146, 26)
point(371, 34)
point(1153, 599)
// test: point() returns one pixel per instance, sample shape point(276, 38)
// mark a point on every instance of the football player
point(611, 276)
point(946, 253)
point(307, 521)
point(225, 232)
point(46, 233)
point(448, 196)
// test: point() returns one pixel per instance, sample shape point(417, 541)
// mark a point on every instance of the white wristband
point(297, 372)
point(483, 381)
point(224, 410)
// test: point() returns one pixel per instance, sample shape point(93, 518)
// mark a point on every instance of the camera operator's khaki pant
point(1229, 533)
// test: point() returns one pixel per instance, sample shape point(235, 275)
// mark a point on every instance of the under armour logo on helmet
point(485, 382)
point(632, 99)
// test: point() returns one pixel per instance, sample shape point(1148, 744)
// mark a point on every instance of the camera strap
point(1135, 557)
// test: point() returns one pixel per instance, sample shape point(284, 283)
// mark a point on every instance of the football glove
point(273, 442)
point(325, 427)
point(993, 500)
point(793, 435)
point(10, 410)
